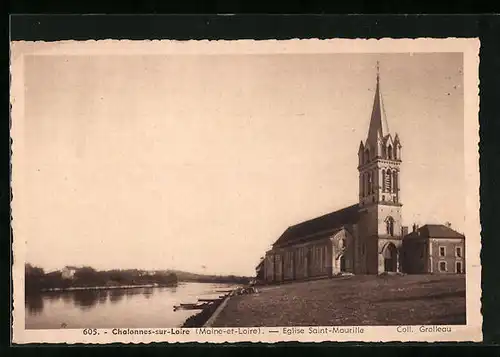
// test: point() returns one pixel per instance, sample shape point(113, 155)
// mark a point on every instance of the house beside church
point(366, 237)
point(434, 248)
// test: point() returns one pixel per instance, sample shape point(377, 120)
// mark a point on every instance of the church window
point(442, 266)
point(387, 181)
point(383, 180)
point(390, 226)
point(367, 155)
point(395, 180)
point(442, 251)
point(389, 152)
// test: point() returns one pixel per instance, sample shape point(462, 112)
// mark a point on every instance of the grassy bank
point(352, 301)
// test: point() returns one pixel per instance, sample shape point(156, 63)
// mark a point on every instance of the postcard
point(246, 191)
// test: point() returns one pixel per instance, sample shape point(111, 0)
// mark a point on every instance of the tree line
point(37, 279)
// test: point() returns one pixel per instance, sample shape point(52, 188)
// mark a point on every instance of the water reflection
point(53, 296)
point(130, 307)
point(147, 292)
point(132, 291)
point(67, 297)
point(171, 289)
point(85, 299)
point(34, 304)
point(115, 296)
point(102, 296)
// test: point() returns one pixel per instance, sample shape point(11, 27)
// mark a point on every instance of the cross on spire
point(378, 123)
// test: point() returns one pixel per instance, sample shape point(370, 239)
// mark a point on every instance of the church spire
point(378, 123)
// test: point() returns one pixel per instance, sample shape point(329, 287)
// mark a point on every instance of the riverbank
point(199, 319)
point(210, 313)
point(351, 301)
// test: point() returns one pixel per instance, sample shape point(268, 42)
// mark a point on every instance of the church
point(367, 237)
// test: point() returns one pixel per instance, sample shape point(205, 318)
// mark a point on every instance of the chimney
point(414, 227)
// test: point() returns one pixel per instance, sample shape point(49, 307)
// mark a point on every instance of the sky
point(200, 162)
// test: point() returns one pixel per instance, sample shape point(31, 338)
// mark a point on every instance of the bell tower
point(379, 160)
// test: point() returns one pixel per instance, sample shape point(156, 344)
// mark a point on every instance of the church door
point(342, 264)
point(390, 258)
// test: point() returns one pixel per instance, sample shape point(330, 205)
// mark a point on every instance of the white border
point(469, 47)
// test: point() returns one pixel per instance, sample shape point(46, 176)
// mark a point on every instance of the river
point(121, 308)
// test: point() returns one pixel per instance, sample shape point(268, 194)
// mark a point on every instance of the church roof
point(435, 231)
point(330, 222)
point(379, 128)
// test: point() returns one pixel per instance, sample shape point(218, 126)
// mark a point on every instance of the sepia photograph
point(244, 190)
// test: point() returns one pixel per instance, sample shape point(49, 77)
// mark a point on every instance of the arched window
point(390, 226)
point(389, 152)
point(369, 183)
point(383, 180)
point(387, 181)
point(395, 180)
point(367, 155)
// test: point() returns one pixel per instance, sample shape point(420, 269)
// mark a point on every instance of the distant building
point(367, 237)
point(68, 272)
point(434, 248)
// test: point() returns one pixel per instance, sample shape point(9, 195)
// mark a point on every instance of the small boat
point(196, 306)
